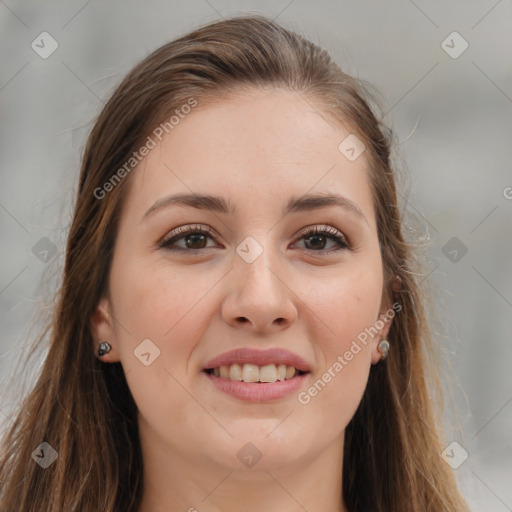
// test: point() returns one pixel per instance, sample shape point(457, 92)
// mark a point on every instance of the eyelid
point(321, 228)
point(184, 230)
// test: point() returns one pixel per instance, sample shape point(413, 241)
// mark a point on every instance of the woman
point(238, 327)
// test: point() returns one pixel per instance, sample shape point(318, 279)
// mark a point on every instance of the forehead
point(260, 145)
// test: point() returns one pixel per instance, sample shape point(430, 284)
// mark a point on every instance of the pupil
point(317, 238)
point(198, 238)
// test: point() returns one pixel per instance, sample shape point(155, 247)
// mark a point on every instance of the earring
point(384, 349)
point(104, 348)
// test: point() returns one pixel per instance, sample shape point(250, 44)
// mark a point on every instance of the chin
point(252, 450)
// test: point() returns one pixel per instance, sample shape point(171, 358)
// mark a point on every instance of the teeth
point(234, 372)
point(250, 373)
point(254, 373)
point(268, 373)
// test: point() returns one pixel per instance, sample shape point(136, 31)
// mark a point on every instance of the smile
point(253, 373)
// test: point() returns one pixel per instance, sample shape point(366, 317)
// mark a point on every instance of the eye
point(194, 238)
point(316, 238)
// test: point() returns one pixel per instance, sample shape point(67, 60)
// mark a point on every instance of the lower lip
point(258, 391)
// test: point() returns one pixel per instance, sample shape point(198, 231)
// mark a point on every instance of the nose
point(259, 299)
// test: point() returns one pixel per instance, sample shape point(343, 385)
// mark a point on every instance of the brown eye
point(315, 242)
point(317, 238)
point(194, 239)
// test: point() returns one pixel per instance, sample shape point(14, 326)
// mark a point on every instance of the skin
point(198, 304)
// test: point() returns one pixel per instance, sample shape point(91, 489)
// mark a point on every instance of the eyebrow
point(307, 202)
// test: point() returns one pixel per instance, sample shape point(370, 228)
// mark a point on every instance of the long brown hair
point(83, 408)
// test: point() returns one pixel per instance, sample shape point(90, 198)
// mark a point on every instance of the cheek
point(155, 299)
point(348, 304)
point(155, 302)
point(348, 310)
point(164, 309)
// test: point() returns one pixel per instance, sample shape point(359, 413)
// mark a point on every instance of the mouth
point(248, 372)
point(254, 375)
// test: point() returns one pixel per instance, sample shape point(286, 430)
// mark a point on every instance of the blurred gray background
point(444, 69)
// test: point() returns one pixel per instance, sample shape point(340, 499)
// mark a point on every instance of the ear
point(102, 329)
point(383, 323)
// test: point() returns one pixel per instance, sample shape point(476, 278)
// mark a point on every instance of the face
point(274, 277)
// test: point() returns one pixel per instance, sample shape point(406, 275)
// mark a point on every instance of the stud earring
point(104, 348)
point(384, 349)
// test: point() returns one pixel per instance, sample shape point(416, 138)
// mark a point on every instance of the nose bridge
point(260, 295)
point(258, 261)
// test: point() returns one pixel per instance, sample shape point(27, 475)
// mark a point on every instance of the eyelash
point(181, 233)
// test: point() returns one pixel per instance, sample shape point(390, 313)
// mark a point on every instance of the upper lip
point(258, 357)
